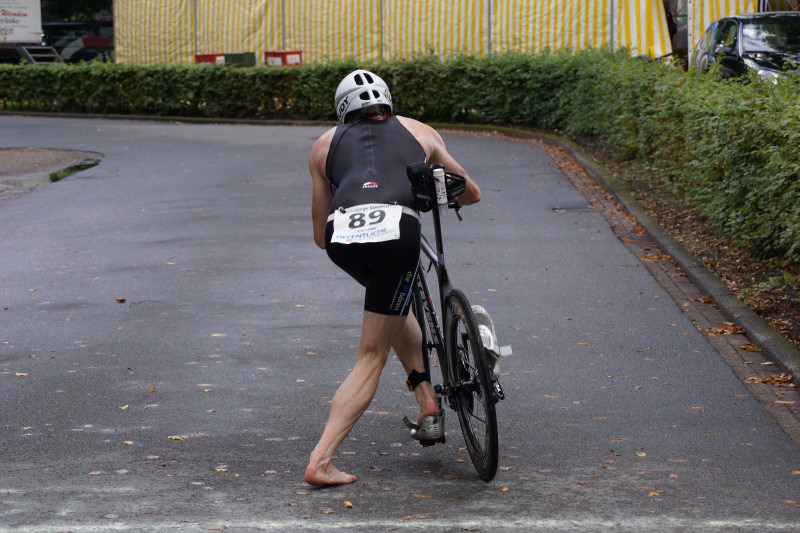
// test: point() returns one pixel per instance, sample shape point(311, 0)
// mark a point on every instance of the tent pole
point(690, 27)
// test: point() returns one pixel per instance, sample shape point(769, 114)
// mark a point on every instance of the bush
point(732, 147)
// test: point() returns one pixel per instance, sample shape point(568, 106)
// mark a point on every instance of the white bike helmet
point(360, 89)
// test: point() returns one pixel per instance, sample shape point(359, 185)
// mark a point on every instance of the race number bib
point(367, 223)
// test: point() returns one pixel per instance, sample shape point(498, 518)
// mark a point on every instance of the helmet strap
point(369, 112)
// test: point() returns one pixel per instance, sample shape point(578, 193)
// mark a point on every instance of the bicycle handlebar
point(432, 185)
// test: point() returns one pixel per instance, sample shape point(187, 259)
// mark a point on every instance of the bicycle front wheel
point(470, 384)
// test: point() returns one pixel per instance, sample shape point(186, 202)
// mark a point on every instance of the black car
point(768, 43)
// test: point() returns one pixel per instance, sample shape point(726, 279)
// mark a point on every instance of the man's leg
point(353, 397)
point(408, 346)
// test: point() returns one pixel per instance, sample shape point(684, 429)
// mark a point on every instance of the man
point(359, 180)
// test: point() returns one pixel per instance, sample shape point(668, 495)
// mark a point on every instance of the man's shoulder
point(421, 131)
point(319, 151)
point(324, 140)
point(412, 123)
point(327, 136)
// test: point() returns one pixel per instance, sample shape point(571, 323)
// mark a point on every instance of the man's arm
point(435, 149)
point(321, 195)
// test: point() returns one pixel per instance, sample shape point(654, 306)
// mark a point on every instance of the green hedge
point(732, 147)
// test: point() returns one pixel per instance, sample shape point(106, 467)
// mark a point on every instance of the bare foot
point(319, 476)
point(422, 415)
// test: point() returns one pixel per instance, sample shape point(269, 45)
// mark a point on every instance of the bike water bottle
point(441, 189)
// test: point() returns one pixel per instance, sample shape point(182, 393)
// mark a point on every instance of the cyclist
point(364, 215)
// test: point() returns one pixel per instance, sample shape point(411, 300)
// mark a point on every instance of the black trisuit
point(367, 165)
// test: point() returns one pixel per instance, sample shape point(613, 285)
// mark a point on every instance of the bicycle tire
point(471, 386)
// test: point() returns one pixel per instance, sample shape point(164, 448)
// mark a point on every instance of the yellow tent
point(175, 31)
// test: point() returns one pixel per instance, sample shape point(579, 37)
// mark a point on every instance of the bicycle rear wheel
point(471, 385)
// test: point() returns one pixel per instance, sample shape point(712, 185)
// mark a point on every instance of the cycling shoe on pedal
point(430, 431)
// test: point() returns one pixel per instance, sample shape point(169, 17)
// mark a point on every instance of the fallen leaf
point(348, 505)
point(124, 407)
point(727, 328)
point(641, 454)
point(20, 374)
point(652, 494)
point(426, 496)
point(656, 257)
point(128, 443)
point(175, 437)
point(504, 489)
point(121, 300)
point(782, 380)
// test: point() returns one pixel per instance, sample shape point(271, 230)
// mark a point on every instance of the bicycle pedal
point(430, 430)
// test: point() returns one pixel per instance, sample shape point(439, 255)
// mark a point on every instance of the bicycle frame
point(436, 327)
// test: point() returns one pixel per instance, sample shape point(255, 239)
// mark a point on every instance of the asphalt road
point(170, 339)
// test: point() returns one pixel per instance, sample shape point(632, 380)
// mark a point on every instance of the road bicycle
point(470, 384)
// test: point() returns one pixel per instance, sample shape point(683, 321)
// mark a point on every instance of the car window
point(726, 35)
point(776, 35)
point(707, 41)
